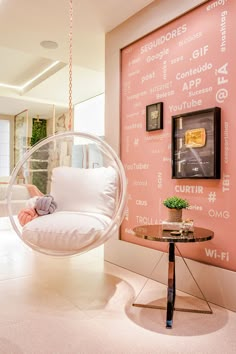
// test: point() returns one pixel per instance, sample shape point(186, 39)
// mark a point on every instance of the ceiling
point(25, 24)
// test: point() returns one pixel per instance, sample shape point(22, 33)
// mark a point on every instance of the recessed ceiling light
point(49, 44)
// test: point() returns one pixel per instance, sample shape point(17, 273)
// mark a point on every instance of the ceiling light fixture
point(49, 44)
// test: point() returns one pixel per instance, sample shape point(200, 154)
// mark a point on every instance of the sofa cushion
point(85, 190)
point(65, 231)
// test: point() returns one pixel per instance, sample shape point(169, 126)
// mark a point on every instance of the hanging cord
point(70, 66)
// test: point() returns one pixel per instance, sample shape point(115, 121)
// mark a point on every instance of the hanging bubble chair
point(76, 189)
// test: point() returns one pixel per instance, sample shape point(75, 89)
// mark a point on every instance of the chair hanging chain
point(70, 66)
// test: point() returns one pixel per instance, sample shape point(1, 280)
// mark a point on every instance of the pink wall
point(187, 65)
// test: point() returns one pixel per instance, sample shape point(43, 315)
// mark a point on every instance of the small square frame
point(154, 116)
point(196, 148)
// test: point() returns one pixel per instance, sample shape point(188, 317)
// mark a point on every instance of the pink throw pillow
point(26, 215)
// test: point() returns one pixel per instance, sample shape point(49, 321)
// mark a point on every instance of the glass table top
point(156, 233)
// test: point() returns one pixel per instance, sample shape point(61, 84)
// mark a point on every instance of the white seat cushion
point(90, 190)
point(65, 231)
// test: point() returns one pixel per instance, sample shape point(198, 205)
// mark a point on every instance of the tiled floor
point(83, 305)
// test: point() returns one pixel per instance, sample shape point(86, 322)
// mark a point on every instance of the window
point(4, 148)
point(89, 116)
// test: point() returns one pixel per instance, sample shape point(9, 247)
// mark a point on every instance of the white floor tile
point(81, 305)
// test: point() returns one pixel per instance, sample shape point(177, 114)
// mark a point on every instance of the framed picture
point(154, 116)
point(196, 144)
point(62, 123)
point(20, 135)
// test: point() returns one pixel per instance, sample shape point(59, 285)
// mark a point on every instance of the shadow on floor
point(184, 323)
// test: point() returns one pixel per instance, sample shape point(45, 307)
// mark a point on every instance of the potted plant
point(175, 206)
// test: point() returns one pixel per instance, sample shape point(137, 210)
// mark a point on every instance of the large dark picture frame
point(196, 144)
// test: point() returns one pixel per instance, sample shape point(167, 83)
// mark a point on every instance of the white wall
point(218, 285)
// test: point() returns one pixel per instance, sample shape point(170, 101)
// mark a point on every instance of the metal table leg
point(171, 286)
point(171, 289)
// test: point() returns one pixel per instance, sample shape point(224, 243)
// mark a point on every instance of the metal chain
point(70, 65)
